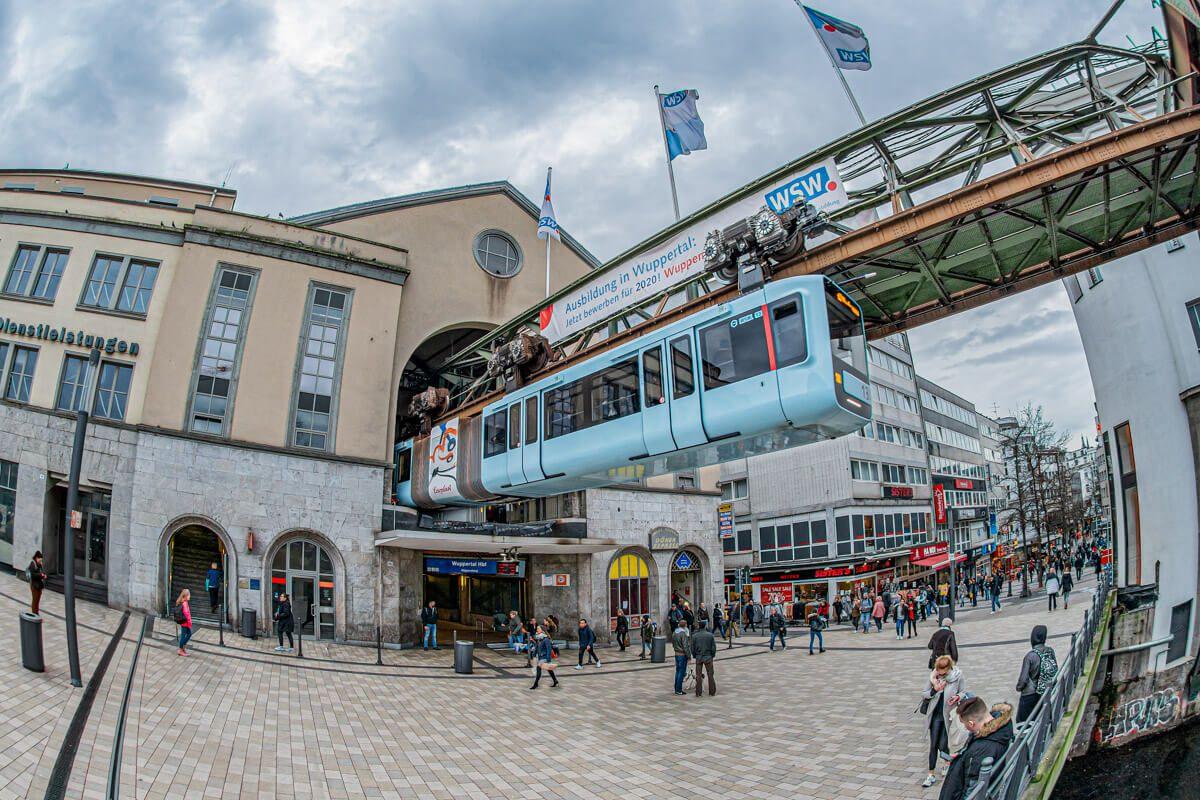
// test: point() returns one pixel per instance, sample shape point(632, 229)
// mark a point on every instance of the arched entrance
point(192, 550)
point(629, 586)
point(427, 367)
point(304, 569)
point(687, 578)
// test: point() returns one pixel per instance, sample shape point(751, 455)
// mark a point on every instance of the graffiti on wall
point(1141, 715)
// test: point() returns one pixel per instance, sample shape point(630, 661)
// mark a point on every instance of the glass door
point(303, 591)
point(91, 541)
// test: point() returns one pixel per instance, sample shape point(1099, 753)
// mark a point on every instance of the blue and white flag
point(847, 44)
point(547, 222)
point(682, 123)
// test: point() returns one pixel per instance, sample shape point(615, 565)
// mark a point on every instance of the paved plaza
point(244, 721)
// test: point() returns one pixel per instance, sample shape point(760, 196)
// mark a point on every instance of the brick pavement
point(247, 722)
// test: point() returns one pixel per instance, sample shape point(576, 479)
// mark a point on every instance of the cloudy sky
point(308, 105)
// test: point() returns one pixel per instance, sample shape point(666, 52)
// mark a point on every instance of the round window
point(498, 254)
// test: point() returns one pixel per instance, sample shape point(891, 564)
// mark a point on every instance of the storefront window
point(8, 505)
point(628, 586)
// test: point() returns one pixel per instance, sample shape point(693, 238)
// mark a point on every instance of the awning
point(482, 543)
point(939, 561)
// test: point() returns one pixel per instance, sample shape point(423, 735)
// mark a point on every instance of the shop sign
point(684, 561)
point(964, 513)
point(558, 580)
point(963, 483)
point(474, 566)
point(897, 491)
point(48, 333)
point(928, 550)
point(664, 539)
point(823, 572)
point(776, 592)
point(987, 548)
point(939, 504)
point(725, 520)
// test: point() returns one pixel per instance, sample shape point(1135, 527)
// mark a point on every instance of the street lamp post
point(81, 421)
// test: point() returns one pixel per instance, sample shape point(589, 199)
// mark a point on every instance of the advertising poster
point(443, 462)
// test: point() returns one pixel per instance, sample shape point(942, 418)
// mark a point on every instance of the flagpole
point(662, 122)
point(548, 237)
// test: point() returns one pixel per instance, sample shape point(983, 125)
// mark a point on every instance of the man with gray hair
point(703, 646)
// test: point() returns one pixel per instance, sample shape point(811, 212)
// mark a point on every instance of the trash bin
point(945, 611)
point(249, 623)
point(31, 642)
point(658, 650)
point(464, 655)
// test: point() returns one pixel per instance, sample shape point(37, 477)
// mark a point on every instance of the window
point(224, 331)
point(864, 470)
point(1073, 288)
point(628, 587)
point(735, 490)
point(514, 426)
point(682, 370)
point(495, 434)
point(531, 419)
point(787, 330)
point(1193, 312)
point(112, 390)
point(135, 278)
point(892, 473)
point(403, 468)
point(320, 359)
point(886, 433)
point(889, 396)
point(685, 481)
point(733, 350)
point(953, 438)
point(73, 383)
point(159, 200)
point(1127, 469)
point(20, 373)
point(8, 507)
point(598, 398)
point(1181, 619)
point(1094, 276)
point(745, 540)
point(890, 363)
point(841, 527)
point(497, 254)
point(918, 476)
point(948, 409)
point(36, 271)
point(652, 377)
point(949, 466)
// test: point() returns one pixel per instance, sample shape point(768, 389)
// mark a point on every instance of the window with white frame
point(950, 466)
point(120, 283)
point(220, 349)
point(892, 397)
point(953, 438)
point(890, 363)
point(946, 408)
point(320, 362)
point(17, 365)
point(35, 271)
point(735, 490)
point(864, 470)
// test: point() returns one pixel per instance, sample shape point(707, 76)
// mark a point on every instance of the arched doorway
point(192, 550)
point(304, 570)
point(426, 367)
point(687, 577)
point(629, 587)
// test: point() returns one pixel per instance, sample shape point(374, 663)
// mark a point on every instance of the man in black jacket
point(429, 622)
point(703, 647)
point(942, 643)
point(991, 732)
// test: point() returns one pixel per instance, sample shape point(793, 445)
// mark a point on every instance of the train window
point(652, 377)
point(682, 371)
point(845, 328)
point(404, 466)
point(531, 420)
point(514, 426)
point(495, 434)
point(614, 392)
point(787, 329)
point(733, 350)
point(564, 409)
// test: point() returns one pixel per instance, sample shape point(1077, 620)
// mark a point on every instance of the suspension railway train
point(780, 366)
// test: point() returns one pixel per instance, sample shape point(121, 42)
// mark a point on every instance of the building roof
point(319, 218)
point(122, 176)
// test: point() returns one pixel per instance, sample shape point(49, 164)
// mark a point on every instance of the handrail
point(114, 761)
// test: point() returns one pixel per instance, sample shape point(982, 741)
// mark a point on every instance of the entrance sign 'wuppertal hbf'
point(847, 43)
point(681, 257)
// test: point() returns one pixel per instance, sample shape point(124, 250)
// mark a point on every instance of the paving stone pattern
point(244, 721)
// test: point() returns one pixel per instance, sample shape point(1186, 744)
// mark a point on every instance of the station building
point(252, 374)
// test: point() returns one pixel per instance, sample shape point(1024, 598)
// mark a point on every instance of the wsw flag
point(547, 222)
point(847, 43)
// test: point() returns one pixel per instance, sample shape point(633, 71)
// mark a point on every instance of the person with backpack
point(37, 582)
point(587, 644)
point(286, 623)
point(1052, 586)
point(778, 627)
point(1038, 671)
point(545, 658)
point(816, 624)
point(212, 582)
point(1067, 584)
point(622, 629)
point(183, 617)
point(649, 628)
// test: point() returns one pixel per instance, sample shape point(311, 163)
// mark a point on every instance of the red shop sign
point(963, 483)
point(776, 593)
point(897, 491)
point(939, 504)
point(928, 550)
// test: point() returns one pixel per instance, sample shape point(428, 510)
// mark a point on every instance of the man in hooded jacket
point(1031, 669)
point(991, 733)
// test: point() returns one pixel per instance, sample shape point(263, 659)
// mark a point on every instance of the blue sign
point(684, 561)
point(474, 566)
point(255, 584)
point(805, 187)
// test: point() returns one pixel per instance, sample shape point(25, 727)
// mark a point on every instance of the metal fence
point(1008, 777)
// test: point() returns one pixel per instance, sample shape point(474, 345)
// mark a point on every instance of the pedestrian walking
point(1052, 586)
point(546, 652)
point(718, 618)
point(997, 586)
point(989, 734)
point(778, 627)
point(183, 617)
point(864, 616)
point(516, 635)
point(1038, 671)
point(837, 610)
point(285, 622)
point(688, 615)
point(681, 644)
point(622, 630)
point(1066, 585)
point(37, 582)
point(703, 648)
point(702, 615)
point(855, 615)
point(649, 628)
point(587, 644)
point(429, 617)
point(816, 624)
point(943, 643)
point(878, 610)
point(942, 693)
point(910, 615)
point(901, 616)
point(212, 583)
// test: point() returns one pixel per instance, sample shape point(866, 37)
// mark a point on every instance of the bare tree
point(1033, 450)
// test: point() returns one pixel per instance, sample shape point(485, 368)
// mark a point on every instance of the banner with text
point(682, 256)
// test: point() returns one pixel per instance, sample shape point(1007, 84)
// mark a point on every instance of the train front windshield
point(845, 329)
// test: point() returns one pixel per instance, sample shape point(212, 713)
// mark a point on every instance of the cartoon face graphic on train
point(443, 461)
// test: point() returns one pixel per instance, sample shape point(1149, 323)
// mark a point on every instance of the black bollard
point(300, 642)
point(378, 647)
point(221, 627)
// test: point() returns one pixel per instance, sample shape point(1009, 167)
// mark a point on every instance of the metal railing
point(1010, 776)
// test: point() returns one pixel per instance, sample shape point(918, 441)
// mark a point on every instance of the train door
point(516, 470)
point(687, 428)
point(740, 389)
point(531, 452)
point(656, 411)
